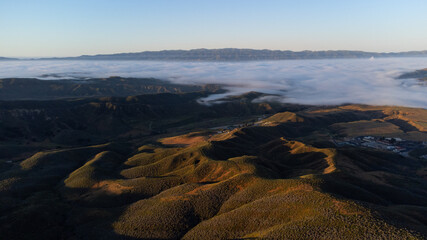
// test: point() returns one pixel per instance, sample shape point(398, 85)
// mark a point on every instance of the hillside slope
point(281, 175)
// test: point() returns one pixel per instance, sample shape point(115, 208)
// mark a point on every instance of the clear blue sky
point(75, 27)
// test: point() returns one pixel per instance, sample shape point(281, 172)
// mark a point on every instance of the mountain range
point(5, 58)
point(235, 54)
point(35, 89)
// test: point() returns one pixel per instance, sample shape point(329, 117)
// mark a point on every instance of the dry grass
point(282, 117)
point(185, 140)
point(253, 182)
point(365, 128)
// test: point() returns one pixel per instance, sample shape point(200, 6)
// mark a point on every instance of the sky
point(47, 28)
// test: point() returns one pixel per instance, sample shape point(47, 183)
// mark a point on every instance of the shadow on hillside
point(41, 202)
point(403, 125)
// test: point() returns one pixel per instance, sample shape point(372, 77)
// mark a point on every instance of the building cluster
point(396, 145)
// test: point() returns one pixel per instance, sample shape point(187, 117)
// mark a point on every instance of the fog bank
point(295, 81)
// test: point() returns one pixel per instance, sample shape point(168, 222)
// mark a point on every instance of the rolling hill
point(162, 166)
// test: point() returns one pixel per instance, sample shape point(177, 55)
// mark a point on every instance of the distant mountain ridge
point(5, 58)
point(235, 54)
point(36, 89)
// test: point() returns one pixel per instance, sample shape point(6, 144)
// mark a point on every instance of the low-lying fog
point(369, 81)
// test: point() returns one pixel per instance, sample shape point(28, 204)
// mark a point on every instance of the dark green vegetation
point(162, 166)
point(234, 54)
point(35, 89)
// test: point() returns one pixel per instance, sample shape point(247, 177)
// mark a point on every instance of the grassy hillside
point(237, 170)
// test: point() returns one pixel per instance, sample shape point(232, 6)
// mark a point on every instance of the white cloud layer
point(295, 81)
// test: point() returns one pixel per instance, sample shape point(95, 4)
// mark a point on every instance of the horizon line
point(193, 49)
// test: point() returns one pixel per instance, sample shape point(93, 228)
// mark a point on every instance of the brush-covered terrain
point(162, 166)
